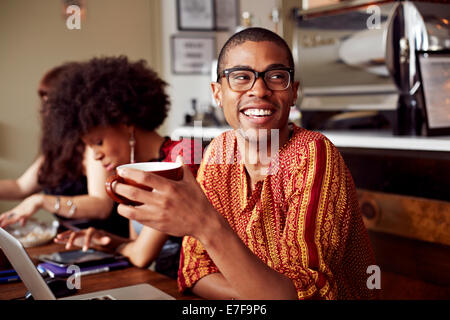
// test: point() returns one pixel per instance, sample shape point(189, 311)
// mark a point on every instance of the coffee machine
point(375, 64)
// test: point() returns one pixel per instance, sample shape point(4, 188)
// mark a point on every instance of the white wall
point(184, 88)
point(34, 38)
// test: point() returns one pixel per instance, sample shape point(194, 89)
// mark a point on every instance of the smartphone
point(77, 257)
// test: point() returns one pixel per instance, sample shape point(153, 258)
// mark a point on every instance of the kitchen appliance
point(358, 64)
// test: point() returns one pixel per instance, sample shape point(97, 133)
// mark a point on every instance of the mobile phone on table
point(77, 257)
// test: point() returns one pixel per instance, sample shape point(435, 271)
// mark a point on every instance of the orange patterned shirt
point(303, 220)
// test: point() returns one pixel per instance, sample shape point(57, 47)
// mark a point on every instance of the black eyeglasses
point(243, 79)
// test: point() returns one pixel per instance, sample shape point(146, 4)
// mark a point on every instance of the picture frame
point(228, 19)
point(196, 15)
point(192, 55)
point(434, 99)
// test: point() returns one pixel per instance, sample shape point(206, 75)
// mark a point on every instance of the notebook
point(56, 271)
point(39, 289)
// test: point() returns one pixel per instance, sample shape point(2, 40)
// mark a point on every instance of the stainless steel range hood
point(360, 55)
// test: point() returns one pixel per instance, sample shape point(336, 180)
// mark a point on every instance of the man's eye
point(98, 142)
point(240, 76)
point(276, 76)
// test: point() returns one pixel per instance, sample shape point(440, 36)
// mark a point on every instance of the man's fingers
point(134, 193)
point(140, 213)
point(128, 212)
point(147, 179)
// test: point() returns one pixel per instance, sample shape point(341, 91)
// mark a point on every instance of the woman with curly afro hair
point(59, 171)
point(115, 106)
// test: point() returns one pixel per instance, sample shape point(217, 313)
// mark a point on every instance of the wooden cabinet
point(405, 201)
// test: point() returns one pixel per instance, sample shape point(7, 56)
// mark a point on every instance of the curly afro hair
point(105, 91)
point(63, 157)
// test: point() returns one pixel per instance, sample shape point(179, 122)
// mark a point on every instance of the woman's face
point(110, 145)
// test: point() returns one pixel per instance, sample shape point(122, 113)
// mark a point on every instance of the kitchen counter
point(385, 140)
point(366, 139)
point(204, 133)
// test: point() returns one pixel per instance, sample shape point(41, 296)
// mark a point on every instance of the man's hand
point(177, 208)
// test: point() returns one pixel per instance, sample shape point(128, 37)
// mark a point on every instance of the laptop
point(39, 289)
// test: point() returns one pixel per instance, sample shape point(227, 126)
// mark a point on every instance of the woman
point(115, 106)
point(72, 183)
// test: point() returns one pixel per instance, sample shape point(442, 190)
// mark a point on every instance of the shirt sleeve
point(324, 248)
point(322, 260)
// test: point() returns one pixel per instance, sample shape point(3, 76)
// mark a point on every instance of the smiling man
point(293, 231)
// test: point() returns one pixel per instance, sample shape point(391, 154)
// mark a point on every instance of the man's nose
point(260, 89)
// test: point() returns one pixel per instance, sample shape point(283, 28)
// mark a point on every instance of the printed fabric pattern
point(303, 220)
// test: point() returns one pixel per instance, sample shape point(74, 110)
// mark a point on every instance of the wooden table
point(101, 281)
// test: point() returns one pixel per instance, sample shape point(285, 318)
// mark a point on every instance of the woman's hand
point(23, 211)
point(177, 208)
point(86, 238)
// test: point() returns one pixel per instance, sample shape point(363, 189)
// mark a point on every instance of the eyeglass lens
point(241, 80)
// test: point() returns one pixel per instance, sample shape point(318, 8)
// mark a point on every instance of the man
point(288, 228)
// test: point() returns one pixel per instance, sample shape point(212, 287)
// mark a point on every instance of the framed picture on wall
point(192, 54)
point(226, 14)
point(195, 15)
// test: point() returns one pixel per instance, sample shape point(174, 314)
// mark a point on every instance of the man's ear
point(295, 88)
point(217, 92)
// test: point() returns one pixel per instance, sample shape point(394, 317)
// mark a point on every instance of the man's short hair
point(256, 35)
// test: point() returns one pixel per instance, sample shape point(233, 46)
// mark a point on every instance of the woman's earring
point(132, 143)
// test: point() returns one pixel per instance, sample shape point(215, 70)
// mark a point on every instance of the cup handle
point(109, 188)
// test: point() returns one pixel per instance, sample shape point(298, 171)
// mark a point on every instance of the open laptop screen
point(39, 289)
point(24, 267)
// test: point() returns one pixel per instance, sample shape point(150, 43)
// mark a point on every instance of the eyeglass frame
point(226, 73)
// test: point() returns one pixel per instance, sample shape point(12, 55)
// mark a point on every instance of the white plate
point(35, 232)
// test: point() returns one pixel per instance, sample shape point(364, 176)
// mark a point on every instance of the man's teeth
point(258, 112)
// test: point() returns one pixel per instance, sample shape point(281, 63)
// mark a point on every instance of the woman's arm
point(94, 205)
point(24, 186)
point(142, 251)
point(90, 238)
point(214, 286)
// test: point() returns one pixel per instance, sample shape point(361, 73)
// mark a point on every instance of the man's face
point(258, 107)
